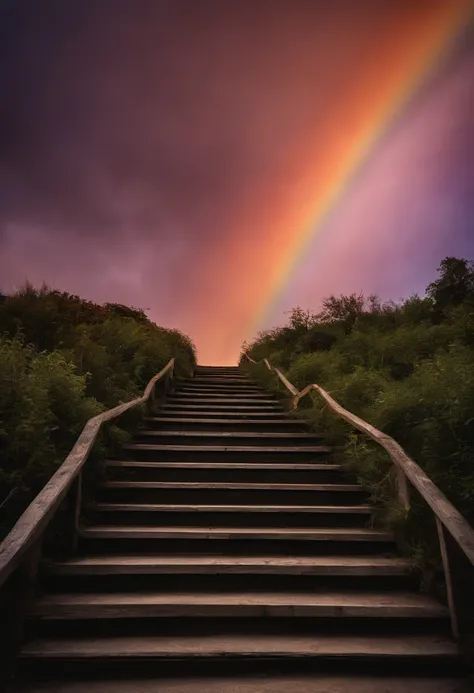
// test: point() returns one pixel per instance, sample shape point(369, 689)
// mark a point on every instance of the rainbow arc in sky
point(405, 72)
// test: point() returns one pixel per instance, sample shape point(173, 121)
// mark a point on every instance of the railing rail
point(20, 551)
point(448, 518)
point(41, 510)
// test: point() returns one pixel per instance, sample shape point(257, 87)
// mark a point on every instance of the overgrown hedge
point(62, 361)
point(408, 369)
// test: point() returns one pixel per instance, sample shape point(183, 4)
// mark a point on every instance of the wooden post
point(169, 379)
point(77, 504)
point(448, 578)
point(403, 490)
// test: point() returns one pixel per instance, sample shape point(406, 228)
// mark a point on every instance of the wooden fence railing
point(449, 522)
point(20, 551)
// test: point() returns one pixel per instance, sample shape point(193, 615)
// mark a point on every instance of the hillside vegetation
point(408, 369)
point(62, 361)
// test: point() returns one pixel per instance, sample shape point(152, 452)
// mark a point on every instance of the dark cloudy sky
point(181, 156)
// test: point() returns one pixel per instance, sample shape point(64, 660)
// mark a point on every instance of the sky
point(217, 163)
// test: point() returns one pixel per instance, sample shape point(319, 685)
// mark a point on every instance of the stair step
point(246, 604)
point(223, 448)
point(225, 485)
point(216, 387)
point(230, 677)
point(245, 646)
point(230, 452)
point(232, 415)
point(193, 386)
point(264, 435)
point(237, 378)
point(242, 472)
point(229, 401)
point(191, 508)
point(230, 492)
point(270, 466)
point(215, 565)
point(187, 512)
point(236, 533)
point(225, 422)
point(195, 394)
point(232, 408)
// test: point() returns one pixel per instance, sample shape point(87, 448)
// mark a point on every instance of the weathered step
point(256, 471)
point(241, 540)
point(242, 533)
point(227, 404)
point(225, 382)
point(244, 646)
point(177, 413)
point(215, 393)
point(225, 435)
point(246, 565)
point(232, 515)
point(225, 411)
point(232, 453)
point(221, 395)
point(194, 423)
point(201, 383)
point(233, 438)
point(143, 470)
point(215, 399)
point(219, 390)
point(228, 675)
point(338, 605)
point(224, 493)
point(228, 379)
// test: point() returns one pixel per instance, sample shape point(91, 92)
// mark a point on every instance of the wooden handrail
point(447, 516)
point(31, 525)
point(444, 510)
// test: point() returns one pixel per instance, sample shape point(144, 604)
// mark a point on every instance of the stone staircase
point(228, 542)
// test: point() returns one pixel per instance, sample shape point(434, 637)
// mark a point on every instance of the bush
point(408, 369)
point(43, 408)
point(62, 361)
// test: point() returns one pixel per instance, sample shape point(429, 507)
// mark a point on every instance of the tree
point(343, 309)
point(301, 320)
point(455, 284)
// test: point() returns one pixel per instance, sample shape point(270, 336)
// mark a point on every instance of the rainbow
point(422, 55)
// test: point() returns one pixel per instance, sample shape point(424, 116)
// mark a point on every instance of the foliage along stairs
point(227, 540)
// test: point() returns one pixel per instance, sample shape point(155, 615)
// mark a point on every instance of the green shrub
point(43, 408)
point(62, 361)
point(406, 368)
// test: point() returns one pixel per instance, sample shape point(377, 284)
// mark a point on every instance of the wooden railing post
point(448, 576)
point(77, 504)
point(169, 380)
point(403, 490)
